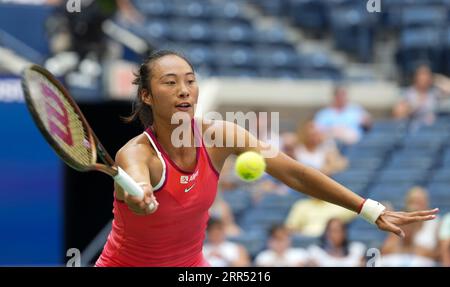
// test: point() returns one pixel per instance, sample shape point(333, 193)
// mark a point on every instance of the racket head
point(59, 118)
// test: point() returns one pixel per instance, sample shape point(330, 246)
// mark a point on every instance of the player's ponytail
point(142, 111)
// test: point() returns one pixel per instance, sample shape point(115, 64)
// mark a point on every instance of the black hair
point(214, 222)
point(275, 228)
point(141, 111)
point(324, 241)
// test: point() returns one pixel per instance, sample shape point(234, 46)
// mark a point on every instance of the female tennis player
point(182, 181)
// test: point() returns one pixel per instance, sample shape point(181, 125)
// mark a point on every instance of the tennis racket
point(63, 125)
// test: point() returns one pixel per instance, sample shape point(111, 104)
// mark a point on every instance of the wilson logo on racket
point(54, 116)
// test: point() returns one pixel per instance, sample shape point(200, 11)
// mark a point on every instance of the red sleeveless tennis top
point(174, 234)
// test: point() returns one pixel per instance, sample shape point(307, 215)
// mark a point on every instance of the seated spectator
point(335, 250)
point(420, 243)
point(402, 252)
point(220, 252)
point(315, 151)
point(289, 142)
point(421, 100)
point(309, 217)
point(343, 121)
point(220, 209)
point(444, 238)
point(279, 252)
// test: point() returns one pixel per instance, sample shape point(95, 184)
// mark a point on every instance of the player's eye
point(171, 83)
point(190, 82)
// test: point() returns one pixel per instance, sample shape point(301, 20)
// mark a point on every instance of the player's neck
point(163, 133)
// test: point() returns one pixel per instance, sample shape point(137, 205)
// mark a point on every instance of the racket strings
point(61, 120)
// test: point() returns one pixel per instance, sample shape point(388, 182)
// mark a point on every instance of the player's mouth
point(185, 106)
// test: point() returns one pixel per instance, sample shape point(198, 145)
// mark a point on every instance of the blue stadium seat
point(387, 188)
point(446, 159)
point(191, 31)
point(199, 55)
point(441, 176)
point(361, 231)
point(239, 201)
point(310, 14)
point(354, 177)
point(158, 8)
point(399, 161)
point(407, 176)
point(260, 218)
point(234, 56)
point(270, 57)
point(236, 72)
point(368, 163)
point(228, 10)
point(389, 127)
point(233, 33)
point(273, 35)
point(300, 241)
point(254, 242)
point(279, 202)
point(280, 73)
point(315, 63)
point(194, 9)
point(426, 15)
point(378, 141)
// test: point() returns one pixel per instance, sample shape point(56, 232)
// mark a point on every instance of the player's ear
point(146, 97)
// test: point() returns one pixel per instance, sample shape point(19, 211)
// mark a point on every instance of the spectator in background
point(228, 182)
point(318, 152)
point(309, 217)
point(402, 252)
point(444, 237)
point(279, 252)
point(220, 209)
point(420, 101)
point(421, 243)
point(289, 142)
point(219, 251)
point(343, 121)
point(335, 250)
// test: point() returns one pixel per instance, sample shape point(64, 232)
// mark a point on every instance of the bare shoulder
point(136, 150)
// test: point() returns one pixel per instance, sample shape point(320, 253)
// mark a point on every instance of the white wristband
point(371, 210)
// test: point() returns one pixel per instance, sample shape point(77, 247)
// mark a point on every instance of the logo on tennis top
point(185, 179)
point(189, 188)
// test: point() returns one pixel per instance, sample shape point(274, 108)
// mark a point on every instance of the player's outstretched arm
point(132, 160)
point(314, 183)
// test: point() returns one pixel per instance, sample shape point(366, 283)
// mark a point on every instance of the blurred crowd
point(318, 143)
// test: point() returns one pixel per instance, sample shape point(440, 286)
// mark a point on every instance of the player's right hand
point(142, 206)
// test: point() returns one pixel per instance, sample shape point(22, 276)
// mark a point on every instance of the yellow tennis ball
point(250, 166)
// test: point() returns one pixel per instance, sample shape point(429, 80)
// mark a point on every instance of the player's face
point(173, 87)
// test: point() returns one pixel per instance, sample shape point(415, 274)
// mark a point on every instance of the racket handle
point(129, 185)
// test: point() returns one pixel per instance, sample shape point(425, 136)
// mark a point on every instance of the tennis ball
point(250, 166)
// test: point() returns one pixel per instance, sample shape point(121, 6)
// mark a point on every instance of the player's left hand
point(392, 220)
